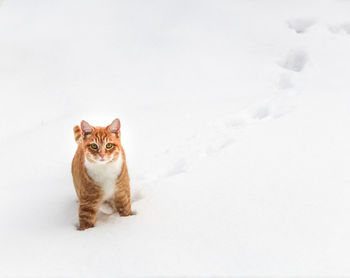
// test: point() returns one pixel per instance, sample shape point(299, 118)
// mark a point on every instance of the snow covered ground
point(235, 121)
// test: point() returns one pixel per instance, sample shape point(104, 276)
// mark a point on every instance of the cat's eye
point(109, 145)
point(93, 146)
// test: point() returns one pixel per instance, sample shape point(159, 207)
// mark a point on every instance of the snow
point(234, 118)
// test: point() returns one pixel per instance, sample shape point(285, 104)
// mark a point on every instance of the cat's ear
point(85, 128)
point(114, 127)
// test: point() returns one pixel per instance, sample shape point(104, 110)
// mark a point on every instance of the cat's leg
point(87, 213)
point(122, 201)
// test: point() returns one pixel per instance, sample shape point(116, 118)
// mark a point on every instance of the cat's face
point(101, 144)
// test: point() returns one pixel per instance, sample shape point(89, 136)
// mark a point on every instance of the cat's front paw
point(124, 212)
point(84, 226)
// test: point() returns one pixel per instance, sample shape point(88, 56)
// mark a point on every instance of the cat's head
point(100, 144)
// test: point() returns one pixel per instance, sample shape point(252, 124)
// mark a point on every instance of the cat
point(99, 170)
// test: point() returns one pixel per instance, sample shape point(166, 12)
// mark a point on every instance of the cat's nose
point(102, 155)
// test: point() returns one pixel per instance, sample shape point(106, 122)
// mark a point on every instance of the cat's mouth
point(102, 160)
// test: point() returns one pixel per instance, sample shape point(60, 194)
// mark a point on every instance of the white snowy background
point(235, 120)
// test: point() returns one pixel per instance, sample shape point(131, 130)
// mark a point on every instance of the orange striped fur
point(77, 133)
point(93, 169)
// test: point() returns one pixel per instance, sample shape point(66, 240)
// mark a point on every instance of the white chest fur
point(105, 175)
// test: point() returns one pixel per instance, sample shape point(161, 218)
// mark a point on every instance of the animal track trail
point(277, 105)
point(301, 25)
point(224, 132)
point(219, 145)
point(345, 27)
point(262, 112)
point(179, 166)
point(295, 60)
point(285, 82)
point(292, 64)
point(181, 158)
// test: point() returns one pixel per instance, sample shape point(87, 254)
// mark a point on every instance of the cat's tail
point(77, 134)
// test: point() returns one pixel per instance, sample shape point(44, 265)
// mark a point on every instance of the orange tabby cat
point(99, 171)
